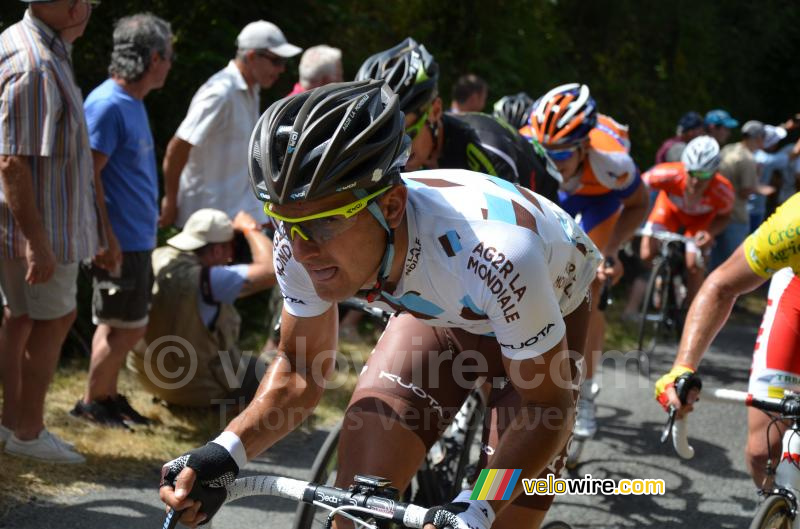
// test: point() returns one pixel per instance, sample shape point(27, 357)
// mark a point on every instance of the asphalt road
point(712, 490)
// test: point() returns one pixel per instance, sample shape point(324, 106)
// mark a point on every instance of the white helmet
point(701, 154)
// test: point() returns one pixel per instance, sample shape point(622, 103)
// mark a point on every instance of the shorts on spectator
point(43, 301)
point(123, 302)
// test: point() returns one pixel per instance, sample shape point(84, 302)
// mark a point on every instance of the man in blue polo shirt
point(126, 177)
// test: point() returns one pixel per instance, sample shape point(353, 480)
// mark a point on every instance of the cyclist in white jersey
point(489, 281)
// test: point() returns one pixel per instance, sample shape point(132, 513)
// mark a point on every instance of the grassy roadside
point(115, 457)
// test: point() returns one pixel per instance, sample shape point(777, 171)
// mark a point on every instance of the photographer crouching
point(190, 355)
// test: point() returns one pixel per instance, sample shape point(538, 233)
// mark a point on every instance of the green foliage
point(647, 62)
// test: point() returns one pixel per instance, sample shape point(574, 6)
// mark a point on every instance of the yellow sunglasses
point(326, 225)
point(414, 129)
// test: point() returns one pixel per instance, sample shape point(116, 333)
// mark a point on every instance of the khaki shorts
point(43, 301)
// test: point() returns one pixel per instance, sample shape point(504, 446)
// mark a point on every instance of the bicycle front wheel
point(654, 310)
point(774, 513)
point(323, 472)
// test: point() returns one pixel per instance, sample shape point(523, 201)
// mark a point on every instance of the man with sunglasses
point(474, 141)
point(601, 186)
point(203, 166)
point(692, 197)
point(488, 279)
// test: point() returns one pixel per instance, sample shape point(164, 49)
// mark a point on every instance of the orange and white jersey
point(610, 166)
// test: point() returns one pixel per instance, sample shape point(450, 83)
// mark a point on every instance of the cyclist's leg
point(529, 511)
point(696, 261)
point(405, 398)
point(776, 365)
point(599, 222)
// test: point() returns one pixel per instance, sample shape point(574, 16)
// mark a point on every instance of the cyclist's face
point(340, 266)
point(423, 144)
point(568, 165)
point(697, 186)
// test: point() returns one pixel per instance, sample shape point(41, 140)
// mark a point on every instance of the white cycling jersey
point(483, 255)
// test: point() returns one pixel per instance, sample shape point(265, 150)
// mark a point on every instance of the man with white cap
point(204, 166)
point(189, 355)
point(738, 165)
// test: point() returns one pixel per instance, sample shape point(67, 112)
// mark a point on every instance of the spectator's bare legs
point(109, 347)
point(13, 335)
point(38, 365)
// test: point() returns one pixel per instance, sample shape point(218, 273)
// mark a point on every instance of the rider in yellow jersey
point(772, 251)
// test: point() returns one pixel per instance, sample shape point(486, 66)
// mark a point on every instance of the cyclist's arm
point(718, 224)
point(293, 384)
point(545, 419)
point(712, 306)
point(633, 214)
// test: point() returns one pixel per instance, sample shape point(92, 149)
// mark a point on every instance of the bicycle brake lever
point(171, 521)
point(668, 427)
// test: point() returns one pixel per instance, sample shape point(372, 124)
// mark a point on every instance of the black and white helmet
point(341, 136)
point(409, 70)
point(514, 109)
point(701, 154)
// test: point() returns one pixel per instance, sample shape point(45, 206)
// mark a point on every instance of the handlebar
point(664, 236)
point(370, 495)
point(787, 407)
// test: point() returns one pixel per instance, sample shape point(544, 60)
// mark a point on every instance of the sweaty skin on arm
point(546, 416)
point(710, 310)
point(289, 392)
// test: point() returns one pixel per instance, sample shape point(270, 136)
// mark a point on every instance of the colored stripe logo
point(495, 484)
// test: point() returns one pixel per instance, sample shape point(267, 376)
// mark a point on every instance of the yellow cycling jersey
point(776, 243)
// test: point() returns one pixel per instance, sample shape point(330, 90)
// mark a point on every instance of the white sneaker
point(6, 433)
point(585, 422)
point(46, 447)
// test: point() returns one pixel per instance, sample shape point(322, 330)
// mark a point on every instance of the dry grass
point(116, 457)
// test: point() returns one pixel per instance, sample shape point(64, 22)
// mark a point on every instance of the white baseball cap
point(263, 35)
point(204, 226)
point(773, 135)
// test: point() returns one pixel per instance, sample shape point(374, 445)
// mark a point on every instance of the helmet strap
point(434, 130)
point(388, 255)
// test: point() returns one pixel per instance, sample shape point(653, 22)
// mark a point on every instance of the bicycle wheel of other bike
point(323, 472)
point(452, 459)
point(774, 513)
point(655, 312)
point(557, 525)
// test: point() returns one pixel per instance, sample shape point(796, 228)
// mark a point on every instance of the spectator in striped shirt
point(48, 220)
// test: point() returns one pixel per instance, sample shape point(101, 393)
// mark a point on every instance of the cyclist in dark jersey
point(473, 141)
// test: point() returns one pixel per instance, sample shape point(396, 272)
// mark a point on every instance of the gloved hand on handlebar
point(665, 389)
point(461, 513)
point(195, 482)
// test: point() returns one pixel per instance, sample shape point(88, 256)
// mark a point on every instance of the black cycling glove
point(215, 468)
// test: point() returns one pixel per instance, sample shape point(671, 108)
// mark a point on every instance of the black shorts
point(124, 302)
